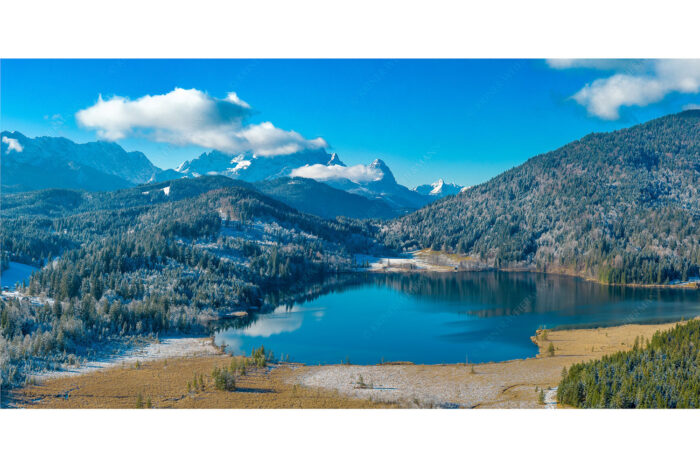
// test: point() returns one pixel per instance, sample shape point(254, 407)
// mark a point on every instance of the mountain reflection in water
point(445, 318)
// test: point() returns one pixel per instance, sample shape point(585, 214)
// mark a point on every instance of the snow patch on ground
point(690, 281)
point(166, 190)
point(34, 300)
point(174, 347)
point(395, 383)
point(374, 263)
point(414, 261)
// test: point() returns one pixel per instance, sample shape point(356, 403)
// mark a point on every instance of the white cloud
point(691, 107)
point(604, 97)
point(281, 320)
point(234, 99)
point(638, 86)
point(12, 145)
point(190, 116)
point(355, 173)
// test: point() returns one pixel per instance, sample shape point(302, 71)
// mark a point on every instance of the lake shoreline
point(418, 263)
point(508, 384)
point(445, 318)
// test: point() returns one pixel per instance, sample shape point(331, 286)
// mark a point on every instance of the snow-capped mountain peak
point(335, 160)
point(380, 166)
point(439, 189)
point(251, 167)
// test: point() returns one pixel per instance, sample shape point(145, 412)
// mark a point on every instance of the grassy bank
point(169, 384)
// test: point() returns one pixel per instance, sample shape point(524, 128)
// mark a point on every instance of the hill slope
point(308, 195)
point(168, 257)
point(622, 207)
point(19, 177)
point(49, 162)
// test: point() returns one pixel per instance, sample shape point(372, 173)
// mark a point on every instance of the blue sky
point(461, 120)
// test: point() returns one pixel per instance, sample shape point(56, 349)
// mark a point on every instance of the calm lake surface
point(15, 273)
point(447, 318)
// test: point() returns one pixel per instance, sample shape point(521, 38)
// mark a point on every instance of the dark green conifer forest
point(663, 373)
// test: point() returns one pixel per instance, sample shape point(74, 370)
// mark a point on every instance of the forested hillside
point(162, 258)
point(621, 207)
point(317, 198)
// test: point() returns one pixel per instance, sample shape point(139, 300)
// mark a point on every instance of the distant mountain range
point(309, 164)
point(439, 189)
point(249, 167)
point(360, 191)
point(48, 162)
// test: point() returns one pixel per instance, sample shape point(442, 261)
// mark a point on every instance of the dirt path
point(550, 399)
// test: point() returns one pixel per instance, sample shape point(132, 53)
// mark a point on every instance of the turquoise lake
point(446, 318)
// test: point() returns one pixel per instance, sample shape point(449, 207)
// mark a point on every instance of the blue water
point(15, 274)
point(447, 318)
